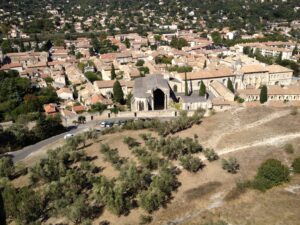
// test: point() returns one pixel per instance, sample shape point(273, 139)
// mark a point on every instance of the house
point(221, 74)
point(74, 75)
point(78, 109)
point(50, 109)
point(219, 90)
point(194, 101)
point(275, 93)
point(105, 87)
point(12, 66)
point(65, 94)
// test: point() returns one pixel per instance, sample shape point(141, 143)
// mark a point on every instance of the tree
point(205, 64)
point(210, 154)
point(6, 167)
point(231, 165)
point(23, 204)
point(2, 210)
point(140, 62)
point(113, 72)
point(263, 97)
point(186, 88)
point(296, 165)
point(145, 219)
point(151, 199)
point(216, 37)
point(118, 92)
point(271, 173)
point(78, 211)
point(295, 50)
point(81, 119)
point(178, 43)
point(279, 58)
point(230, 85)
point(127, 43)
point(48, 127)
point(202, 90)
point(191, 163)
point(128, 100)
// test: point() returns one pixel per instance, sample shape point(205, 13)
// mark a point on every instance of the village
point(200, 74)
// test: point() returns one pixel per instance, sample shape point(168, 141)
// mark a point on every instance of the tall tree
point(113, 72)
point(127, 43)
point(118, 92)
point(186, 88)
point(295, 50)
point(263, 94)
point(202, 90)
point(2, 210)
point(205, 64)
point(230, 85)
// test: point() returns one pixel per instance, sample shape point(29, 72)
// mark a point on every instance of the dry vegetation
point(251, 136)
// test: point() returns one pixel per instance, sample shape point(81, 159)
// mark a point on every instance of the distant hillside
point(237, 14)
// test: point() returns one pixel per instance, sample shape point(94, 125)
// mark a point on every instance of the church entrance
point(159, 99)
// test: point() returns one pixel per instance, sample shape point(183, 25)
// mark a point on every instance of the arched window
point(175, 88)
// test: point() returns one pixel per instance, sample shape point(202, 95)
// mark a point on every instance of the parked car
point(109, 124)
point(67, 136)
point(103, 124)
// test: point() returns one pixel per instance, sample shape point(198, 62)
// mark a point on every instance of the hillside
point(211, 194)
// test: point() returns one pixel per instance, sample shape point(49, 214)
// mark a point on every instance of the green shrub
point(289, 148)
point(210, 154)
point(145, 219)
point(191, 163)
point(296, 165)
point(271, 173)
point(131, 142)
point(6, 167)
point(231, 165)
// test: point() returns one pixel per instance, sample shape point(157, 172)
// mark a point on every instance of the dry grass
point(200, 197)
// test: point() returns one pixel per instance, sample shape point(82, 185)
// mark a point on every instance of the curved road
point(26, 151)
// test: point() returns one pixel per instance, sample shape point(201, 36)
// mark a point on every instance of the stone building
point(151, 93)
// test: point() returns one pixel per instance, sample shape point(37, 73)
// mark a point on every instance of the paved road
point(23, 153)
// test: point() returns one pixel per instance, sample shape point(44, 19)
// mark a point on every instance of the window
point(175, 88)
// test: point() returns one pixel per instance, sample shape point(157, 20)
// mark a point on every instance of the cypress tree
point(205, 64)
point(295, 50)
point(186, 88)
point(118, 92)
point(263, 94)
point(2, 210)
point(113, 72)
point(202, 90)
point(230, 85)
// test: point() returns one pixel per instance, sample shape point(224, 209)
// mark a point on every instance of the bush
point(191, 163)
point(145, 219)
point(151, 199)
point(296, 165)
point(131, 142)
point(231, 165)
point(271, 173)
point(289, 148)
point(6, 167)
point(210, 154)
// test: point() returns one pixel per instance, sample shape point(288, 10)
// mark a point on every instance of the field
point(252, 136)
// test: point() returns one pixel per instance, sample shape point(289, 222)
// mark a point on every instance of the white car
point(67, 136)
point(103, 124)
